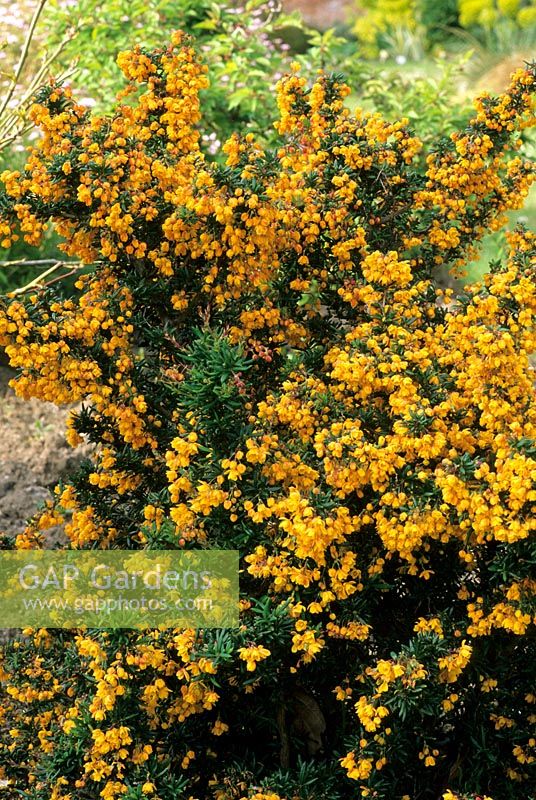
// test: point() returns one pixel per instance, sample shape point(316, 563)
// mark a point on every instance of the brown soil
point(33, 454)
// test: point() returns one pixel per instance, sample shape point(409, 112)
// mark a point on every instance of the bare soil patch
point(33, 454)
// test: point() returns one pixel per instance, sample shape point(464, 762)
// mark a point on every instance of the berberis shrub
point(266, 364)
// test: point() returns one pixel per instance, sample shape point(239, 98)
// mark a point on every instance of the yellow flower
point(252, 654)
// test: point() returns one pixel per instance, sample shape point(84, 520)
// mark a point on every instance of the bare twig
point(37, 283)
point(23, 56)
point(12, 121)
point(65, 275)
point(36, 263)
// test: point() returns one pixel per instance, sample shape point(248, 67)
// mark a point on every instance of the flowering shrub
point(243, 43)
point(423, 21)
point(266, 364)
point(379, 16)
point(410, 24)
point(488, 12)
